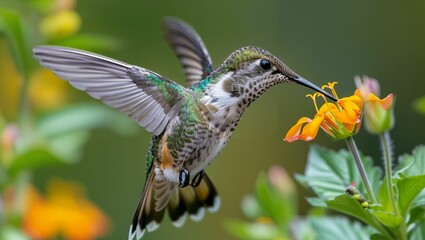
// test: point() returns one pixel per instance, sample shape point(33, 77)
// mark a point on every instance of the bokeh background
point(322, 41)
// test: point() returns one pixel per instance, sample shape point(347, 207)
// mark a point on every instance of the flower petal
point(294, 133)
point(310, 130)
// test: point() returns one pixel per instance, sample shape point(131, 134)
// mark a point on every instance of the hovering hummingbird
point(190, 125)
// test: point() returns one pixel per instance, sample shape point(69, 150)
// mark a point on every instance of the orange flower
point(339, 120)
point(64, 211)
point(379, 116)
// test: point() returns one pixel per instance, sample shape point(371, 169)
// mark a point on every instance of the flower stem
point(353, 148)
point(387, 156)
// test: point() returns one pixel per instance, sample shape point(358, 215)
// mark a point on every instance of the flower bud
point(378, 113)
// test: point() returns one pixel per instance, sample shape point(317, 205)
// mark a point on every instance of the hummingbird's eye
point(265, 64)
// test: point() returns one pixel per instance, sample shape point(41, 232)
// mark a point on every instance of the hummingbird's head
point(253, 70)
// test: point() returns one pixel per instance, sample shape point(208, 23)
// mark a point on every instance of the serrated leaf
point(348, 205)
point(337, 228)
point(258, 231)
point(11, 26)
point(328, 172)
point(412, 164)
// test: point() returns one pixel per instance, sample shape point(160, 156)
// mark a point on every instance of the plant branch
point(353, 148)
point(387, 157)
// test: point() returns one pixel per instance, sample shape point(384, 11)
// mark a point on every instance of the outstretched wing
point(190, 50)
point(148, 98)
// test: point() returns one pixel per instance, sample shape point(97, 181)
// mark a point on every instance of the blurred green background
point(322, 41)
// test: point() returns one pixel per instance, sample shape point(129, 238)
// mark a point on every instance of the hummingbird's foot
point(197, 179)
point(184, 177)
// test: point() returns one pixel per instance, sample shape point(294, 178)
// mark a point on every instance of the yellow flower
point(379, 115)
point(339, 120)
point(60, 24)
point(46, 90)
point(64, 211)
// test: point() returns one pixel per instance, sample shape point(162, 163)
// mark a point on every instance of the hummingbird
point(190, 124)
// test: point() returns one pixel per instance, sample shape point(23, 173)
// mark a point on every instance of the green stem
point(353, 148)
point(386, 154)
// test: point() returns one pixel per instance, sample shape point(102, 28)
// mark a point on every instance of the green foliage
point(328, 173)
point(254, 230)
point(56, 137)
point(93, 42)
point(274, 204)
point(328, 180)
point(419, 105)
point(272, 209)
point(336, 228)
point(12, 28)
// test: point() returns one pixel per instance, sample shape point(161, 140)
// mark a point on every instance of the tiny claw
point(184, 177)
point(197, 179)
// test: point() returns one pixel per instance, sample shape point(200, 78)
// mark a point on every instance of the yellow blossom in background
point(60, 24)
point(64, 211)
point(46, 90)
point(339, 120)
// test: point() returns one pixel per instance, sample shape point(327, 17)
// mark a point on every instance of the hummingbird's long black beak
point(308, 84)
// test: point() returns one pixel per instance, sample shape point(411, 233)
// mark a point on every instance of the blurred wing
point(190, 50)
point(145, 96)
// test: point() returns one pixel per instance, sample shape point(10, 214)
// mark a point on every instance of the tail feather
point(177, 210)
point(159, 195)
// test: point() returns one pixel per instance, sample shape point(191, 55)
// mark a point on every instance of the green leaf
point(12, 28)
point(84, 117)
point(388, 219)
point(419, 232)
point(251, 208)
point(68, 146)
point(328, 172)
point(412, 164)
point(408, 189)
point(316, 202)
point(258, 231)
point(91, 42)
point(301, 229)
point(377, 236)
point(32, 159)
point(348, 205)
point(419, 105)
point(384, 200)
point(337, 228)
point(417, 215)
point(279, 207)
point(8, 233)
